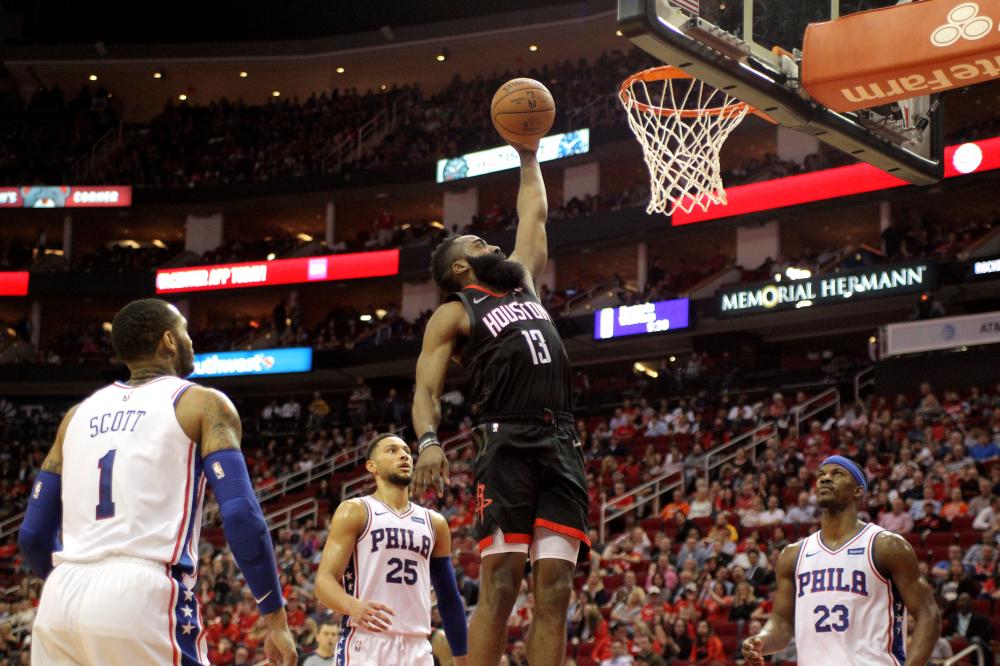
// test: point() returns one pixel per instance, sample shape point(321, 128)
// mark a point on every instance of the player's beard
point(397, 479)
point(185, 360)
point(496, 270)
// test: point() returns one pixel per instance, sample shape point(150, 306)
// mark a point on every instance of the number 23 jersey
point(514, 353)
point(846, 611)
point(391, 565)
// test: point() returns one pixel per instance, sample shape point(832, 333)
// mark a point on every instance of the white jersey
point(132, 482)
point(846, 611)
point(391, 565)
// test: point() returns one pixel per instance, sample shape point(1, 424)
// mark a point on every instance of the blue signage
point(642, 318)
point(256, 362)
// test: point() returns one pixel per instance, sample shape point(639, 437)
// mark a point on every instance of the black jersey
point(514, 354)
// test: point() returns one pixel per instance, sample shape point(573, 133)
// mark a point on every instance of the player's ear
point(370, 466)
point(169, 341)
point(460, 267)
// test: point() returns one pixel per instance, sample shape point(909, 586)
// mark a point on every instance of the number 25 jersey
point(514, 354)
point(391, 565)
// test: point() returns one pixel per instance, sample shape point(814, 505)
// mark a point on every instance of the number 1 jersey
point(514, 354)
point(391, 565)
point(132, 481)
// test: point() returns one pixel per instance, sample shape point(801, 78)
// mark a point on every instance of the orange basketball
point(523, 111)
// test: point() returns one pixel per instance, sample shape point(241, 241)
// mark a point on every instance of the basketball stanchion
point(681, 123)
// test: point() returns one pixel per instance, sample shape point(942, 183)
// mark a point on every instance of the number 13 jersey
point(846, 611)
point(514, 354)
point(391, 565)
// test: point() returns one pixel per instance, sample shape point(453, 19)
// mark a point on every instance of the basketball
point(523, 111)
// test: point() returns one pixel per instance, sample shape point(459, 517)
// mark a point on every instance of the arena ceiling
point(37, 22)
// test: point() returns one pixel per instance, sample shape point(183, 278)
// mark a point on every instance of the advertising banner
point(858, 284)
point(943, 333)
point(641, 319)
point(279, 271)
point(257, 362)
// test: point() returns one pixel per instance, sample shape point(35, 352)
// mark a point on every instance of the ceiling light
point(275, 93)
point(366, 317)
point(436, 224)
point(340, 70)
point(381, 313)
point(618, 33)
point(383, 87)
point(182, 97)
point(440, 57)
point(106, 326)
point(305, 238)
point(243, 75)
point(157, 75)
point(158, 243)
point(533, 47)
point(92, 77)
point(270, 256)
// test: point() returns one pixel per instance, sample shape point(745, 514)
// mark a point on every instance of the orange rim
point(668, 72)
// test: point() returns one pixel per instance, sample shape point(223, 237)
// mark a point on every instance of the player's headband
point(851, 467)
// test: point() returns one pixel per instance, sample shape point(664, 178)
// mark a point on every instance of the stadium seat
point(962, 523)
point(915, 540)
point(968, 538)
point(938, 539)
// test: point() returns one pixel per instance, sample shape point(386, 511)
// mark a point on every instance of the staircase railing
point(862, 380)
point(962, 654)
point(747, 441)
point(813, 406)
point(285, 516)
point(373, 131)
point(650, 491)
point(83, 168)
point(365, 484)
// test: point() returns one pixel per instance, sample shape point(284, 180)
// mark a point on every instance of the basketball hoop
point(681, 123)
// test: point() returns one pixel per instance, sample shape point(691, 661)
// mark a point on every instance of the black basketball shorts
point(529, 476)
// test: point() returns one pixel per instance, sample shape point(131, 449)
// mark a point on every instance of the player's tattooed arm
point(207, 416)
point(53, 462)
point(895, 559)
point(531, 245)
point(780, 628)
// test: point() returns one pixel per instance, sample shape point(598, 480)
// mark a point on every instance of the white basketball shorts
point(122, 611)
point(362, 648)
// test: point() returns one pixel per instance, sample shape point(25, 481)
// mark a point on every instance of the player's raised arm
point(894, 556)
point(348, 523)
point(208, 416)
point(38, 536)
point(780, 628)
point(446, 587)
point(531, 246)
point(440, 336)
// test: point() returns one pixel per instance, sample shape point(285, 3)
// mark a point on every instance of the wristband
point(427, 439)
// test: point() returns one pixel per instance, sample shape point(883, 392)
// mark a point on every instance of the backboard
point(751, 49)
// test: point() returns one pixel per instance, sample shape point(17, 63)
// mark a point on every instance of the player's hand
point(431, 471)
point(279, 648)
point(526, 149)
point(752, 651)
point(371, 615)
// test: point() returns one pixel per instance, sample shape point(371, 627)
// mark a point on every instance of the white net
point(681, 124)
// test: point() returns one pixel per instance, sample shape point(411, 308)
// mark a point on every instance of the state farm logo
point(964, 22)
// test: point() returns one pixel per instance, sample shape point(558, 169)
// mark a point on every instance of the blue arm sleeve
point(450, 605)
point(243, 523)
point(38, 535)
